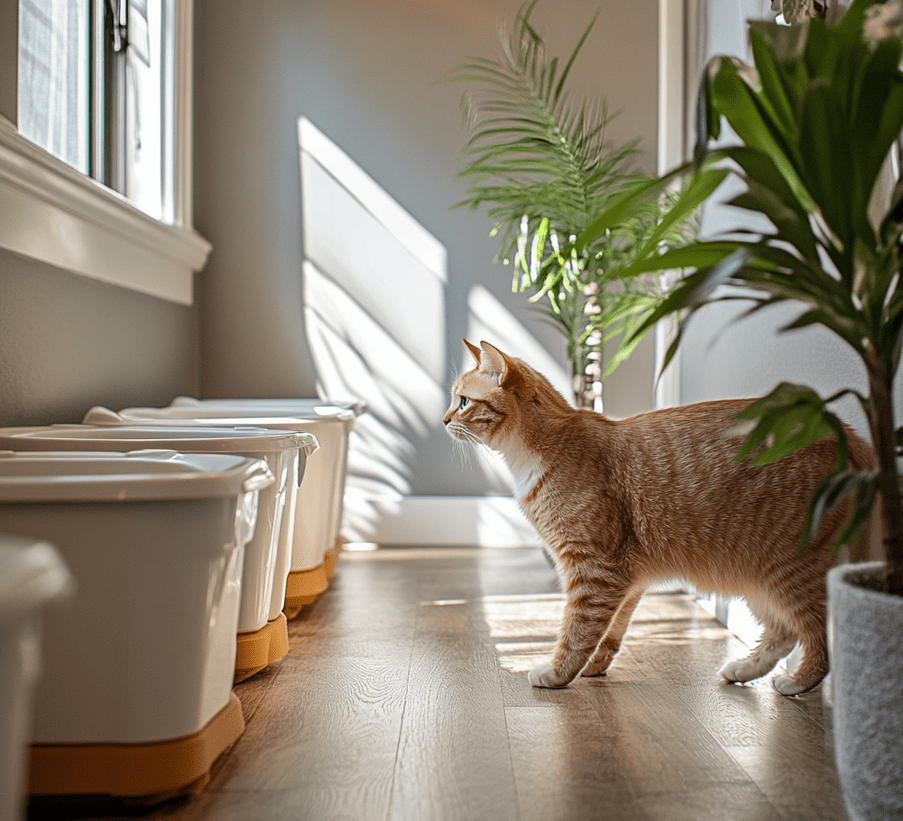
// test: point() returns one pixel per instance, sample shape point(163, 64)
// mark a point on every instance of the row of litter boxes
point(178, 540)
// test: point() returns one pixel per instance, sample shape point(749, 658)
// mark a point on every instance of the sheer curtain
point(53, 77)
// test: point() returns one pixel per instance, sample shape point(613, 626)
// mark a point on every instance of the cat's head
point(492, 402)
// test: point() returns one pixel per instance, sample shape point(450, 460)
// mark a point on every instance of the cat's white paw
point(787, 686)
point(739, 671)
point(544, 676)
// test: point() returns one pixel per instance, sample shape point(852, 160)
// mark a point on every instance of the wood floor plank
point(332, 716)
point(798, 786)
point(752, 714)
point(663, 748)
point(712, 802)
point(453, 760)
point(561, 771)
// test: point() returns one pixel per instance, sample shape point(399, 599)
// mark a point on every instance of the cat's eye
point(464, 402)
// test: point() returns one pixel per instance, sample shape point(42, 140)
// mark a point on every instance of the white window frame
point(677, 72)
point(52, 213)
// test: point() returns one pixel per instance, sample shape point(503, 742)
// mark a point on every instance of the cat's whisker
point(463, 451)
point(465, 445)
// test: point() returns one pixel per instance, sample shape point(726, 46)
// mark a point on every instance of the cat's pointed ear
point(474, 350)
point(495, 364)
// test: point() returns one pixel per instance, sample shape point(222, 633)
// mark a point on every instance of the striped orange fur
point(658, 496)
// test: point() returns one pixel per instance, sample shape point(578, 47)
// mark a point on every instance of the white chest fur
point(525, 469)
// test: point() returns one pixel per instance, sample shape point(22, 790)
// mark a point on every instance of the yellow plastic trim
point(302, 588)
point(157, 768)
point(258, 648)
point(332, 557)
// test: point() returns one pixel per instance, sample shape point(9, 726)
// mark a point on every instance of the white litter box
point(305, 407)
point(315, 538)
point(32, 575)
point(136, 695)
point(262, 631)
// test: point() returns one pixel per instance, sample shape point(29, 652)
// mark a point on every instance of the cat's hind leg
point(773, 646)
point(814, 665)
point(611, 642)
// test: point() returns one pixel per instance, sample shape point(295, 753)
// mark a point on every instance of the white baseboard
point(484, 521)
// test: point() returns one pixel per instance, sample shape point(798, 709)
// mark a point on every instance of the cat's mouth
point(457, 431)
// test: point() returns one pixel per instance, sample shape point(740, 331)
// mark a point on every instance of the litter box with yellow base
point(135, 698)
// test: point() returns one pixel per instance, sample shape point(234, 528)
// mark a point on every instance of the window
point(96, 91)
point(95, 140)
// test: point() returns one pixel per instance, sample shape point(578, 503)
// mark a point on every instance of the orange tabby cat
point(658, 496)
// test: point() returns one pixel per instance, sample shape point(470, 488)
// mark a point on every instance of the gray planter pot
point(866, 633)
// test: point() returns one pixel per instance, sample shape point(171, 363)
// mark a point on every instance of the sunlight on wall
point(491, 321)
point(374, 290)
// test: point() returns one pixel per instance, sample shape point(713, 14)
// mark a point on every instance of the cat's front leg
point(611, 642)
point(591, 606)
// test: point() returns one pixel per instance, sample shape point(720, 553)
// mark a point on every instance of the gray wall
point(366, 75)
point(67, 343)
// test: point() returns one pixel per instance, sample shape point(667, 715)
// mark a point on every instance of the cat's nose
point(447, 418)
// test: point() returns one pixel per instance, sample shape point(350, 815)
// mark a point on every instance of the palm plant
point(817, 116)
point(544, 168)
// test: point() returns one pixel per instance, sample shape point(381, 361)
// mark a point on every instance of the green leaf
point(626, 206)
point(786, 420)
point(708, 120)
point(695, 289)
point(753, 123)
point(850, 24)
point(777, 200)
point(878, 114)
point(860, 488)
point(771, 75)
point(576, 51)
point(827, 157)
point(700, 187)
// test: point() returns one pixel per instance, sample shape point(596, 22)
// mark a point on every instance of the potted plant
point(817, 116)
point(544, 169)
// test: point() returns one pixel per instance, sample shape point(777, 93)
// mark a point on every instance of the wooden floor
point(404, 696)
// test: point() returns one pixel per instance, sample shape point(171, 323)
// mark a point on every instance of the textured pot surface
point(866, 628)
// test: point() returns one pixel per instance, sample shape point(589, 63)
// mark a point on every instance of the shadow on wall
point(375, 288)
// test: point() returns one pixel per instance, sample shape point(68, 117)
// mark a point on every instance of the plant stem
point(884, 439)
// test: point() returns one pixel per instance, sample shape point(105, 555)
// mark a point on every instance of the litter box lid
point(299, 405)
point(126, 437)
point(32, 573)
point(142, 475)
point(229, 416)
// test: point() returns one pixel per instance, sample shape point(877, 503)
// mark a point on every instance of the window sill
point(68, 220)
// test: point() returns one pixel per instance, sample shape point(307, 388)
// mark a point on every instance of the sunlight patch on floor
point(521, 657)
point(524, 628)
